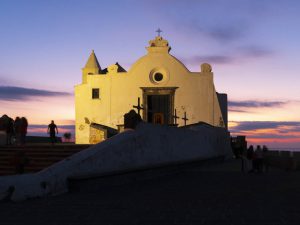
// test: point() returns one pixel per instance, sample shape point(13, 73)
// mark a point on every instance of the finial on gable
point(206, 68)
point(158, 32)
point(158, 44)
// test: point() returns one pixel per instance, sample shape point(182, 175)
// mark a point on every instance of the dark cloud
point(225, 33)
point(12, 93)
point(212, 59)
point(280, 126)
point(236, 55)
point(228, 22)
point(274, 136)
point(255, 104)
point(255, 51)
point(238, 110)
point(295, 129)
point(246, 106)
point(221, 32)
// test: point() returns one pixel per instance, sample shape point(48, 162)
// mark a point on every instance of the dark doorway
point(158, 103)
point(159, 109)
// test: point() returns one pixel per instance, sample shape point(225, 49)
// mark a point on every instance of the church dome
point(158, 59)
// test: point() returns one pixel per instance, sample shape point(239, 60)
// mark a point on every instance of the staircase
point(38, 156)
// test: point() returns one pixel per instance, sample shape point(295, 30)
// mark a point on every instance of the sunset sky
point(252, 45)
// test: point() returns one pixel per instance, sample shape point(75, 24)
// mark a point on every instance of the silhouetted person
point(250, 157)
point(23, 130)
point(9, 130)
point(240, 155)
point(17, 129)
point(51, 130)
point(258, 159)
point(6, 125)
point(265, 158)
point(131, 119)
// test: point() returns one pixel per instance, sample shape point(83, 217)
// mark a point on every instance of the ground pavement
point(215, 194)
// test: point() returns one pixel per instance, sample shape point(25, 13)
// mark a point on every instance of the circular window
point(158, 77)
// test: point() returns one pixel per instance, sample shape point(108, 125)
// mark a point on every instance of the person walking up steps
point(51, 130)
point(17, 130)
point(23, 130)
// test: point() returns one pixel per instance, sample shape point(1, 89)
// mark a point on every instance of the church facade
point(158, 86)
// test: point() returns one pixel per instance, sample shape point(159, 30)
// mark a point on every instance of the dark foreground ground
point(216, 194)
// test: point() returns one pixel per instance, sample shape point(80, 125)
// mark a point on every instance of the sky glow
point(252, 45)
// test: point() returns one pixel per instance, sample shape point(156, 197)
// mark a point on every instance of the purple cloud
point(238, 110)
point(253, 51)
point(274, 136)
point(12, 93)
point(256, 104)
point(212, 59)
point(246, 126)
point(237, 55)
point(225, 33)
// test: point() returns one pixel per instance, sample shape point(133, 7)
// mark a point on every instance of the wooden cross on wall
point(175, 117)
point(138, 107)
point(185, 118)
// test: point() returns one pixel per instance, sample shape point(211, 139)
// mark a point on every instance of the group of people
point(16, 130)
point(257, 158)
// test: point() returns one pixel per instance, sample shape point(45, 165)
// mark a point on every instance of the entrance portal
point(158, 104)
point(158, 108)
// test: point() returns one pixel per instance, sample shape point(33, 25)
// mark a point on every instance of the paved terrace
point(211, 194)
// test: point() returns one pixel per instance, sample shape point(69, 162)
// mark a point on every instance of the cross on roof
point(158, 31)
point(138, 107)
point(175, 117)
point(185, 118)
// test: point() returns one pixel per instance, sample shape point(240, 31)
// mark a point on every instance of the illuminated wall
point(195, 93)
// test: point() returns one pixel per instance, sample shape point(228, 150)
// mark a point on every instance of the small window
point(95, 93)
point(158, 77)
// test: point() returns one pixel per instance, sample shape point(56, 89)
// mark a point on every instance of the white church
point(158, 86)
point(164, 92)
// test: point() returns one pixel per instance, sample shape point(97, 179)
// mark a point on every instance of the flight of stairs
point(38, 156)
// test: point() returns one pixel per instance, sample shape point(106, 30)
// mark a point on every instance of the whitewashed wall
point(146, 147)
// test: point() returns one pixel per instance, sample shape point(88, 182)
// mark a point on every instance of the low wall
point(148, 146)
point(287, 160)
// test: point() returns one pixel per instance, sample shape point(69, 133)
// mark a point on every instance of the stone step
point(39, 156)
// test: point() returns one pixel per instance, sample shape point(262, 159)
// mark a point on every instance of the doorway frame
point(158, 91)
